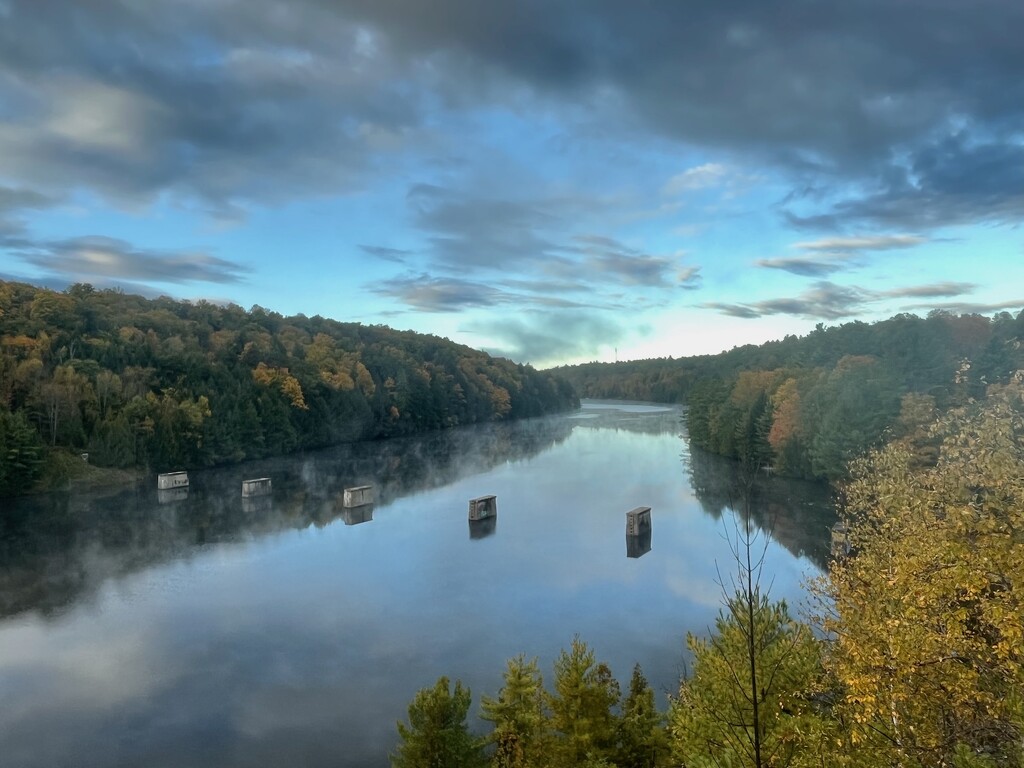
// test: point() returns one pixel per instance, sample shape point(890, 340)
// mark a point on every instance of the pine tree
point(581, 708)
point(642, 742)
point(520, 723)
point(437, 735)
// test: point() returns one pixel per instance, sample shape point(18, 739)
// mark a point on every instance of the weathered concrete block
point(357, 496)
point(260, 486)
point(170, 480)
point(638, 521)
point(482, 507)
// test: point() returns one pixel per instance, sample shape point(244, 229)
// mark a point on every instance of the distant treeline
point(807, 405)
point(161, 384)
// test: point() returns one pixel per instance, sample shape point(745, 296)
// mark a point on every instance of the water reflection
point(56, 548)
point(222, 632)
point(638, 545)
point(357, 515)
point(797, 514)
point(481, 529)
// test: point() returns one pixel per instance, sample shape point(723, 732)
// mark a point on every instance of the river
point(201, 629)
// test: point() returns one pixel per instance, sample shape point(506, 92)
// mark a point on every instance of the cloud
point(953, 180)
point(828, 301)
point(424, 293)
point(835, 254)
point(18, 199)
point(545, 338)
point(396, 255)
point(608, 259)
point(863, 243)
point(432, 294)
point(239, 103)
point(13, 202)
point(106, 260)
point(806, 267)
point(272, 110)
point(689, 278)
point(470, 233)
point(692, 179)
point(932, 290)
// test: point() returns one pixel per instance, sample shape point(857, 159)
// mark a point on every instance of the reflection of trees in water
point(667, 420)
point(798, 514)
point(58, 547)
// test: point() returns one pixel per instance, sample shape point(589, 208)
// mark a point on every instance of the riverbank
point(66, 471)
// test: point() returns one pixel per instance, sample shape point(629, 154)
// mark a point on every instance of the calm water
point(205, 631)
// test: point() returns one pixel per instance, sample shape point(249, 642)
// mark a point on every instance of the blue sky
point(553, 181)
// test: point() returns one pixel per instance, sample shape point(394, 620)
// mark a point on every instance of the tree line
point(913, 655)
point(805, 406)
point(161, 384)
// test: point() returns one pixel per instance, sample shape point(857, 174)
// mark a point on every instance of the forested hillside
point(163, 384)
point(806, 406)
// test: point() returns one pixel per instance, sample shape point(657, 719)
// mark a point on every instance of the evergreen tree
point(520, 723)
point(642, 741)
point(437, 735)
point(582, 716)
point(21, 454)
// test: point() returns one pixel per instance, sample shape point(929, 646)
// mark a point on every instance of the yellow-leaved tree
point(926, 617)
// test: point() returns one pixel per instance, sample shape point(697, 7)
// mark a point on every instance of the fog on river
point(210, 630)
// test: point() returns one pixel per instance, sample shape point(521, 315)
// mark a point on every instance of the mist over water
point(209, 630)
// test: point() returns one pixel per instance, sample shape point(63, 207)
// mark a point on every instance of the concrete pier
point(357, 496)
point(260, 486)
point(482, 507)
point(169, 480)
point(638, 521)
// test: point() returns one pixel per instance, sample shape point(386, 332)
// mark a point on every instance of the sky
point(553, 181)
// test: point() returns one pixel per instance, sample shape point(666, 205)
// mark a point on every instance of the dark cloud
point(106, 260)
point(546, 338)
point(608, 259)
point(936, 290)
point(396, 255)
point(828, 301)
point(860, 243)
point(14, 202)
point(473, 231)
point(210, 103)
point(424, 293)
point(951, 182)
point(487, 235)
point(241, 101)
point(805, 266)
point(15, 199)
point(835, 254)
point(432, 294)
